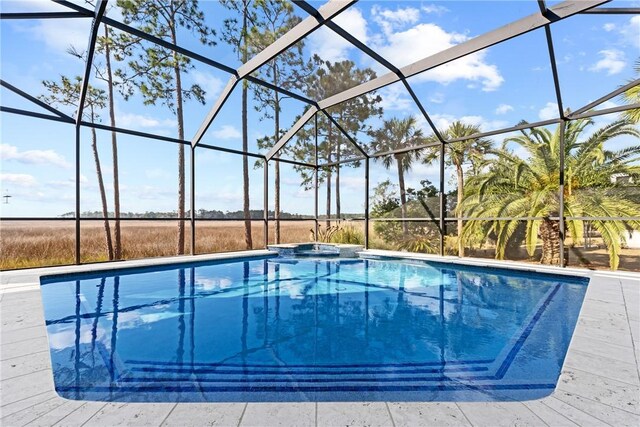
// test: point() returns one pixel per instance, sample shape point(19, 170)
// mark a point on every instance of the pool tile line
point(247, 372)
point(355, 365)
point(525, 334)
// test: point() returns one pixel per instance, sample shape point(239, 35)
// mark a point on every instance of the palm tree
point(457, 154)
point(529, 187)
point(397, 134)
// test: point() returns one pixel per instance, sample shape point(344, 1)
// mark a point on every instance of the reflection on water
point(287, 329)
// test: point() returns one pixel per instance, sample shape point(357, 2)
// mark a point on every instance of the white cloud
point(437, 98)
point(612, 62)
point(443, 121)
point(504, 109)
point(609, 26)
point(34, 157)
point(433, 8)
point(352, 182)
point(142, 121)
point(18, 179)
point(331, 47)
point(207, 81)
point(157, 173)
point(631, 30)
point(58, 34)
point(396, 98)
point(391, 20)
point(549, 111)
point(425, 39)
point(226, 132)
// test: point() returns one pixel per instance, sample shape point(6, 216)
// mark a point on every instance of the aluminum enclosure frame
point(323, 17)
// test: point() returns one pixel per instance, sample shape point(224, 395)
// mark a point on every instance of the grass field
point(30, 244)
point(40, 243)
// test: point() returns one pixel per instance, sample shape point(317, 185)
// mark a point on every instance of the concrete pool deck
point(599, 384)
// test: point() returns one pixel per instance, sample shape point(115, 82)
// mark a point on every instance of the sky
point(494, 88)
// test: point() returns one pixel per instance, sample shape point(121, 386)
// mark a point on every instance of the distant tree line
point(255, 214)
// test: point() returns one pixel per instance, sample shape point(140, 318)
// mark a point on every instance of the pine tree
point(286, 70)
point(237, 35)
point(157, 72)
point(67, 92)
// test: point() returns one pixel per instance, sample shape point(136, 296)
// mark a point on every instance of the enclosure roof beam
point(101, 7)
point(291, 132)
point(344, 132)
point(434, 129)
point(224, 95)
point(613, 11)
point(486, 40)
point(43, 15)
point(294, 35)
point(291, 37)
point(552, 59)
point(376, 57)
point(593, 113)
point(607, 97)
point(348, 37)
point(27, 113)
point(186, 52)
point(34, 100)
point(499, 35)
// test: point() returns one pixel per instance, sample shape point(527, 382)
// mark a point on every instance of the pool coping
point(599, 383)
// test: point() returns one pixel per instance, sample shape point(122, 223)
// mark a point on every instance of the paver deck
point(599, 384)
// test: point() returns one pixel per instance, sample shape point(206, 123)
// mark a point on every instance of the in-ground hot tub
point(316, 249)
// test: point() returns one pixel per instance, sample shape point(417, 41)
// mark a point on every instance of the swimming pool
point(287, 329)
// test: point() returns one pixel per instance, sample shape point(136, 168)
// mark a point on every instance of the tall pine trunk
point(103, 195)
point(245, 138)
point(338, 180)
point(460, 177)
point(117, 242)
point(180, 117)
point(329, 136)
point(277, 166)
point(403, 194)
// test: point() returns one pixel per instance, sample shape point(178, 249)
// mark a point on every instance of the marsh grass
point(26, 244)
point(32, 244)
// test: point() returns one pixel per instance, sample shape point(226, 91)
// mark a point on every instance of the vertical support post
point(100, 8)
point(366, 202)
point(316, 177)
point(77, 216)
point(442, 200)
point(561, 194)
point(265, 207)
point(193, 199)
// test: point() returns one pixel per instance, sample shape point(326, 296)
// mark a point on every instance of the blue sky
point(494, 88)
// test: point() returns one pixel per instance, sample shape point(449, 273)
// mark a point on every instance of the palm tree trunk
point(550, 234)
point(460, 176)
point(117, 247)
point(181, 177)
point(245, 140)
point(403, 194)
point(103, 195)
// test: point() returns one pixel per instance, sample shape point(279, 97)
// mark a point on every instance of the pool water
point(325, 329)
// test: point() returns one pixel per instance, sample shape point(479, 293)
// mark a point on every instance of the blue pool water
point(278, 329)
